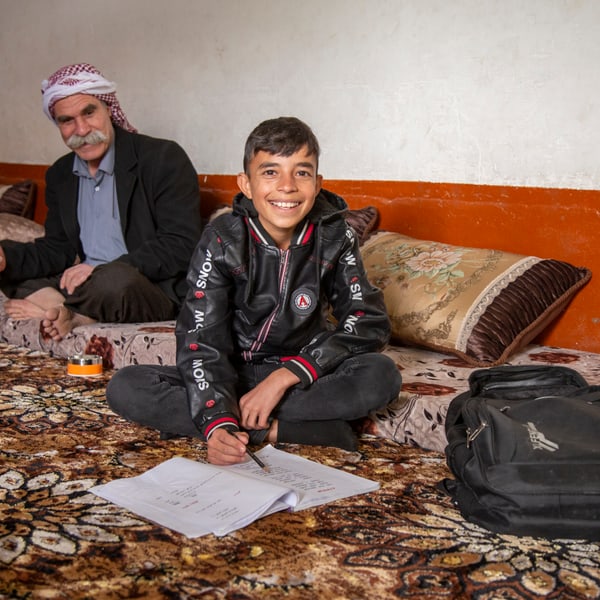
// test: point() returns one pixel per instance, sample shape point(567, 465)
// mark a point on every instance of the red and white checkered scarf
point(82, 78)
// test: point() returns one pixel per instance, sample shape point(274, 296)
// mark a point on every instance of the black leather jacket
point(249, 301)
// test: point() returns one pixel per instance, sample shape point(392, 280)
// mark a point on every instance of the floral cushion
point(479, 304)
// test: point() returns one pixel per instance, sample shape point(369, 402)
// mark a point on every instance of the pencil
point(257, 460)
point(253, 456)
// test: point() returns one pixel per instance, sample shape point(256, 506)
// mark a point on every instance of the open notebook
point(197, 498)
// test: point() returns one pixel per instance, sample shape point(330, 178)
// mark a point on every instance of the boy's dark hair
point(282, 137)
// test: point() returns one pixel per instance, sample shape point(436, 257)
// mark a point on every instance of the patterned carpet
point(406, 540)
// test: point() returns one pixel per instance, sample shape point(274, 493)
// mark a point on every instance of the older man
point(123, 218)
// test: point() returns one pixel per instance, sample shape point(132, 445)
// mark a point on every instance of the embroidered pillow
point(481, 305)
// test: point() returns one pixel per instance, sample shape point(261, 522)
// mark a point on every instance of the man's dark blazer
point(159, 205)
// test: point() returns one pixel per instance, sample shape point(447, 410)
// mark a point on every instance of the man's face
point(283, 190)
point(85, 127)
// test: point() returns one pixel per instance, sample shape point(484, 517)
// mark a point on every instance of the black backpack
point(524, 447)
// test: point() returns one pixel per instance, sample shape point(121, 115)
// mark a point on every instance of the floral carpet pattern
point(57, 540)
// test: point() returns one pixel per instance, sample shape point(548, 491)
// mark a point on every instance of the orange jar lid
point(84, 365)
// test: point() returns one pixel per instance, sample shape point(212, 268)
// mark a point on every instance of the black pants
point(155, 396)
point(114, 293)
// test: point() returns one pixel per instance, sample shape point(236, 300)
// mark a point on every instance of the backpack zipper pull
point(471, 435)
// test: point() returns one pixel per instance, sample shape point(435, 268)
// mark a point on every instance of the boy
point(257, 358)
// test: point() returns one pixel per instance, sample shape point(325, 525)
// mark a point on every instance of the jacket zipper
point(263, 334)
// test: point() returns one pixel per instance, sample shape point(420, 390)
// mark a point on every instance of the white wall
point(475, 91)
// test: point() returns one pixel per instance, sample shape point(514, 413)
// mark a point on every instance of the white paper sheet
point(197, 498)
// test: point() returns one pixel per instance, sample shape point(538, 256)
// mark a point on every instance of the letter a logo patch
point(303, 301)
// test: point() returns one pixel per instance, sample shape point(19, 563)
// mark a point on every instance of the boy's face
point(283, 190)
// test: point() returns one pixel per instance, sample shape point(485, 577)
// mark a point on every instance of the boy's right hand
point(227, 448)
point(2, 260)
point(257, 404)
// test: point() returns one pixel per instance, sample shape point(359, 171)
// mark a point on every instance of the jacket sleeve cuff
point(303, 368)
point(229, 423)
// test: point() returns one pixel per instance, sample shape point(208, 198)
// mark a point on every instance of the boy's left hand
point(257, 405)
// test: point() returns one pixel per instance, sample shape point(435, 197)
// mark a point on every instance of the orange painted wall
point(549, 223)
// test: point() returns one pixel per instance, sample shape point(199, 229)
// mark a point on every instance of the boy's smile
point(283, 190)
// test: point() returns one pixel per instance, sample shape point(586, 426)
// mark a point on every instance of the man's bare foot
point(35, 305)
point(59, 321)
point(23, 309)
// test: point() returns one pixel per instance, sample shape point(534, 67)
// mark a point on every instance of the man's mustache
point(94, 137)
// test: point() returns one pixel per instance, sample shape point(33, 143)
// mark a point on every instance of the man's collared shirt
point(98, 211)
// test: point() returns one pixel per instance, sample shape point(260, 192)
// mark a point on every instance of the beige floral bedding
point(430, 380)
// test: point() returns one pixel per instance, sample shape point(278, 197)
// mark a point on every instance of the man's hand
point(257, 405)
point(2, 260)
point(227, 448)
point(73, 277)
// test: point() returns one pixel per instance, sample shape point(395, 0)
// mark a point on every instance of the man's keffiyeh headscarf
point(82, 78)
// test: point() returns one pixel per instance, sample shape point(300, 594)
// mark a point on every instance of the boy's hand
point(257, 405)
point(227, 448)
